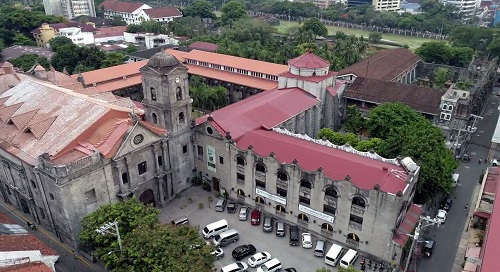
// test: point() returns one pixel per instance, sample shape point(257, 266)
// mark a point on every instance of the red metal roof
point(163, 12)
point(24, 242)
point(309, 78)
point(27, 267)
point(491, 183)
point(407, 225)
point(205, 46)
point(127, 7)
point(482, 214)
point(491, 246)
point(337, 164)
point(265, 109)
point(309, 61)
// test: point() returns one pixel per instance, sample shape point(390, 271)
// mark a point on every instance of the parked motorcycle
point(375, 267)
point(369, 263)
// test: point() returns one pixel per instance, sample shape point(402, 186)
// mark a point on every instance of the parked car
point(258, 259)
point(267, 225)
point(235, 267)
point(231, 207)
point(280, 229)
point(294, 235)
point(255, 217)
point(446, 204)
point(290, 269)
point(243, 213)
point(441, 215)
point(242, 251)
point(429, 247)
point(306, 240)
point(218, 253)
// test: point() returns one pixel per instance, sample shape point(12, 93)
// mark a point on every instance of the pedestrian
point(466, 206)
point(479, 161)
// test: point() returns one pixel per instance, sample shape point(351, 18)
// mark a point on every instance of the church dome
point(162, 59)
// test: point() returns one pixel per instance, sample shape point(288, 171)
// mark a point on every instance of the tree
point(354, 120)
point(440, 77)
point(323, 270)
point(20, 39)
point(56, 42)
point(435, 52)
point(461, 56)
point(163, 248)
point(130, 49)
point(202, 9)
point(386, 117)
point(130, 214)
point(27, 61)
point(118, 21)
point(113, 59)
point(375, 37)
point(316, 26)
point(232, 11)
point(205, 97)
point(187, 26)
point(348, 269)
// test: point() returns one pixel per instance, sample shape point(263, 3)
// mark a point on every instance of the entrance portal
point(148, 198)
point(24, 206)
point(215, 184)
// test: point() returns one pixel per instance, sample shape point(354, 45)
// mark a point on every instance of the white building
point(150, 40)
point(69, 8)
point(163, 14)
point(467, 8)
point(77, 35)
point(129, 11)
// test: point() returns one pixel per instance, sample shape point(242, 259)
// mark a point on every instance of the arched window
point(280, 209)
point(181, 118)
point(358, 201)
point(240, 161)
point(305, 183)
point(154, 118)
point(327, 227)
point(332, 192)
point(260, 200)
point(178, 93)
point(260, 167)
point(153, 94)
point(282, 175)
point(303, 217)
point(240, 193)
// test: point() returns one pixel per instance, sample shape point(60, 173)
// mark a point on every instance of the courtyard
point(188, 204)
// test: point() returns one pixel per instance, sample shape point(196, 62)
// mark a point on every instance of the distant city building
point(466, 8)
point(413, 8)
point(386, 5)
point(135, 13)
point(69, 8)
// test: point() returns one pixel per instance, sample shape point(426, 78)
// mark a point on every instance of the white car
point(306, 240)
point(218, 253)
point(235, 267)
point(441, 215)
point(258, 259)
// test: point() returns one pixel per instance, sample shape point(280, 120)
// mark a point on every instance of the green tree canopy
point(129, 214)
point(440, 77)
point(375, 37)
point(316, 26)
point(205, 97)
point(70, 56)
point(232, 11)
point(386, 117)
point(348, 269)
point(435, 52)
point(354, 120)
point(202, 9)
point(118, 21)
point(27, 61)
point(187, 26)
point(113, 59)
point(56, 42)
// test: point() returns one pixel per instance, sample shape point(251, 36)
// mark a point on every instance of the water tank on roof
point(409, 164)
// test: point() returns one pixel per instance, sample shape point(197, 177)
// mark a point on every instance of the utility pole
point(432, 221)
point(106, 229)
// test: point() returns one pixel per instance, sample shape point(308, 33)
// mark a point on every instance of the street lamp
point(108, 228)
point(432, 221)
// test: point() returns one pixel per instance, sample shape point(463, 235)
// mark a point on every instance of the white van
point(215, 228)
point(226, 238)
point(455, 178)
point(333, 256)
point(349, 258)
point(270, 266)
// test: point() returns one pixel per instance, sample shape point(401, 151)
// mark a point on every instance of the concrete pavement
point(448, 237)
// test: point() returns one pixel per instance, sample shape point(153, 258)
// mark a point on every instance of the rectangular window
point(328, 209)
point(281, 192)
point(221, 160)
point(304, 200)
point(125, 178)
point(200, 151)
point(261, 184)
point(142, 167)
point(356, 219)
point(90, 196)
point(240, 178)
point(184, 149)
point(160, 160)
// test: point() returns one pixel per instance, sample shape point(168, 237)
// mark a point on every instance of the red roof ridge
point(309, 60)
point(110, 131)
point(7, 111)
point(39, 128)
point(153, 128)
point(23, 119)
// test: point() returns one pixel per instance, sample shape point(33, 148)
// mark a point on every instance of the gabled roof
point(407, 225)
point(384, 65)
point(58, 26)
point(127, 7)
point(16, 51)
point(337, 164)
point(111, 31)
point(205, 46)
point(266, 109)
point(309, 61)
point(422, 99)
point(120, 72)
point(163, 12)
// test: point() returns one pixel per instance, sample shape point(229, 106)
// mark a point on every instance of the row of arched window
point(154, 94)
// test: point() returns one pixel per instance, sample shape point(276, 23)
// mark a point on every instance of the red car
point(255, 217)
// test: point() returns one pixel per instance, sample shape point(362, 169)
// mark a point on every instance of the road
point(448, 236)
point(68, 262)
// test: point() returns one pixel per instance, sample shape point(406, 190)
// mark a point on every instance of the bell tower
point(166, 93)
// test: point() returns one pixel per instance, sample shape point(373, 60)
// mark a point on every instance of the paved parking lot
point(188, 205)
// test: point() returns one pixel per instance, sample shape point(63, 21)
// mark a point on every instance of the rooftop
point(16, 51)
point(58, 26)
point(309, 61)
point(27, 267)
point(111, 31)
point(337, 163)
point(163, 12)
point(261, 110)
point(121, 72)
point(126, 7)
point(491, 245)
point(407, 225)
point(496, 135)
point(148, 53)
point(205, 46)
point(384, 65)
point(422, 99)
point(24, 242)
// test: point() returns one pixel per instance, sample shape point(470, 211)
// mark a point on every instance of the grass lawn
point(412, 42)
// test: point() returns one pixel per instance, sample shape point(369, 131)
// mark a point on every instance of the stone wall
point(425, 69)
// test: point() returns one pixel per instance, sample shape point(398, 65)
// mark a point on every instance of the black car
point(291, 269)
point(446, 204)
point(231, 207)
point(294, 235)
point(242, 251)
point(429, 247)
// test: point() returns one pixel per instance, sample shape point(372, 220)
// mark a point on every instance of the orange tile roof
point(27, 267)
point(178, 54)
point(112, 73)
point(237, 62)
point(252, 82)
point(24, 242)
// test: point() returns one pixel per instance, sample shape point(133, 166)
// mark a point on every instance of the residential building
point(129, 11)
point(77, 35)
point(466, 8)
point(46, 32)
point(109, 34)
point(69, 8)
point(150, 40)
point(20, 249)
point(16, 51)
point(77, 32)
point(65, 153)
point(162, 14)
point(455, 109)
point(397, 64)
point(382, 5)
